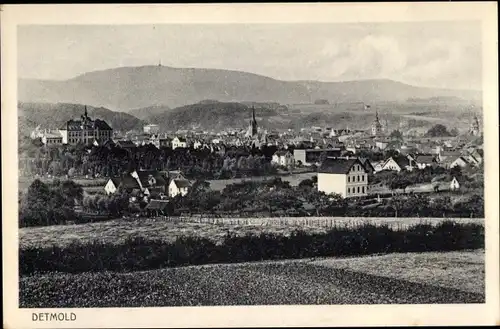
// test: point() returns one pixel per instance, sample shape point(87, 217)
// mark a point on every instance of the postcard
point(244, 165)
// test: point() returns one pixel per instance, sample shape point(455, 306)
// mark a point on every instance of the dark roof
point(180, 183)
point(129, 182)
point(338, 166)
point(116, 181)
point(464, 159)
point(324, 150)
point(400, 160)
point(365, 162)
point(425, 158)
point(126, 143)
point(108, 142)
point(87, 124)
point(144, 176)
point(101, 125)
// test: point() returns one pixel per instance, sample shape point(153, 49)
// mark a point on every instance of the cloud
point(434, 62)
point(434, 54)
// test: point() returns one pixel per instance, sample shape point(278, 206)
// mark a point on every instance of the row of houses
point(447, 159)
point(444, 159)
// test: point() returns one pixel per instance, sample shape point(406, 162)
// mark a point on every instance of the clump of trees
point(438, 130)
point(114, 204)
point(52, 204)
point(112, 161)
point(396, 134)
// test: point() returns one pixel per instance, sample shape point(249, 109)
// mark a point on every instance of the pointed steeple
point(252, 128)
point(86, 114)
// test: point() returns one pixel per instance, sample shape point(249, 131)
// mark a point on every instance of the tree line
point(113, 161)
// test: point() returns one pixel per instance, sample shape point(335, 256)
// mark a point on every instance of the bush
point(141, 253)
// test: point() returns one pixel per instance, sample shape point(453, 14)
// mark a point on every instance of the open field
point(460, 279)
point(435, 268)
point(25, 182)
point(294, 179)
point(118, 230)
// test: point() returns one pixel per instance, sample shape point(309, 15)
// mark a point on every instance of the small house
point(178, 187)
point(461, 161)
point(179, 142)
point(397, 164)
point(283, 158)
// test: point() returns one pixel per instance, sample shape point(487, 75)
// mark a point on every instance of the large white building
point(85, 130)
point(347, 177)
point(151, 129)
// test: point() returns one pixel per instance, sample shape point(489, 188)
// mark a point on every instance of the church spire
point(86, 114)
point(252, 128)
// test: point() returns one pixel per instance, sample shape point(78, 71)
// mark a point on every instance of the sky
point(434, 54)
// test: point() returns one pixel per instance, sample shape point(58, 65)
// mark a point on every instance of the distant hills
point(147, 112)
point(210, 115)
point(53, 116)
point(162, 87)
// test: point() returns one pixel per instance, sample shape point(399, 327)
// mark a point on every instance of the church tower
point(376, 126)
point(252, 128)
point(475, 129)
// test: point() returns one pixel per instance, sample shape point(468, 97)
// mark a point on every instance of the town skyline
point(316, 52)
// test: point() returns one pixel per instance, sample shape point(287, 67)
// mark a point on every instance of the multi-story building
point(308, 157)
point(151, 129)
point(347, 177)
point(85, 130)
point(52, 139)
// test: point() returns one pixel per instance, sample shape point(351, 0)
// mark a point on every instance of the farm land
point(455, 276)
point(118, 230)
point(417, 278)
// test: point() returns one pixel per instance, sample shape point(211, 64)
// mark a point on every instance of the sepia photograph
point(170, 164)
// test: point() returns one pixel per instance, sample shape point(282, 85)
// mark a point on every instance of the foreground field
point(462, 270)
point(309, 281)
point(117, 231)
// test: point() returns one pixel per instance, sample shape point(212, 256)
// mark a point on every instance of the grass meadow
point(119, 230)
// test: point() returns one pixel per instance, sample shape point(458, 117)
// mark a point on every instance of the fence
point(318, 222)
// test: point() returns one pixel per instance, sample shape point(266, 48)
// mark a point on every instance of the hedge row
point(143, 254)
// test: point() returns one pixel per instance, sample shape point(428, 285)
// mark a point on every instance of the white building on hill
point(347, 177)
